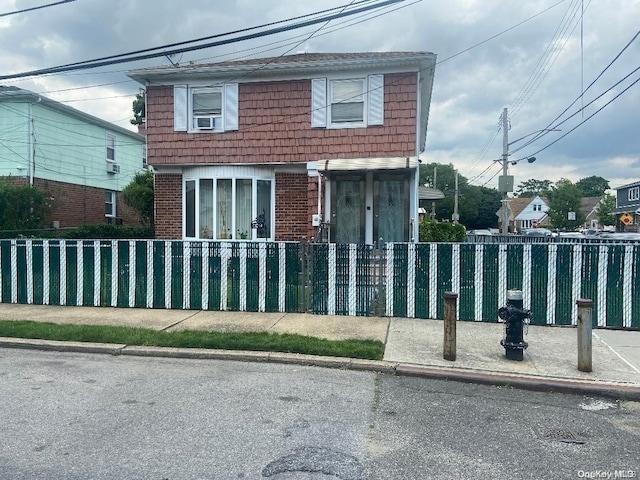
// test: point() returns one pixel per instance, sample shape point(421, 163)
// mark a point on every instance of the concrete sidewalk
point(412, 346)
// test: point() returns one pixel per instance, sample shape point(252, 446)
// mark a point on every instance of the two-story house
point(269, 148)
point(628, 207)
point(80, 161)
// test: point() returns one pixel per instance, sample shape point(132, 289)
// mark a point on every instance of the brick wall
point(292, 212)
point(168, 206)
point(275, 126)
point(74, 205)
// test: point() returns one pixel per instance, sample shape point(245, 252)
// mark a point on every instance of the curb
point(525, 382)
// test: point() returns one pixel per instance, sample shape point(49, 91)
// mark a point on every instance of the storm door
point(348, 210)
point(391, 207)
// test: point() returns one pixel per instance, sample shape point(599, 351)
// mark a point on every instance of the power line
point(24, 10)
point(593, 114)
point(548, 127)
point(100, 63)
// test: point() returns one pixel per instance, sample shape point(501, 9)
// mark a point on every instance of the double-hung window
point(347, 102)
point(109, 204)
point(205, 108)
point(634, 194)
point(111, 148)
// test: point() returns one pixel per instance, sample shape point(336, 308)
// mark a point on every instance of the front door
point(367, 207)
point(347, 209)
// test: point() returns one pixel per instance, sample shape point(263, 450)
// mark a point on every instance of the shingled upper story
point(285, 137)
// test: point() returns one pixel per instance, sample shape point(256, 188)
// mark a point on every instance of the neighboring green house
point(81, 161)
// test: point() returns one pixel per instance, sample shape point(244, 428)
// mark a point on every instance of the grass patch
point(256, 341)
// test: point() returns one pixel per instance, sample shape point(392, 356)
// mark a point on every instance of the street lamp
point(505, 181)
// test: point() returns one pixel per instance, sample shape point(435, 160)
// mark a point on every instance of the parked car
point(538, 232)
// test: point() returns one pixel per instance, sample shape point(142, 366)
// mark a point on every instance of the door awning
point(353, 164)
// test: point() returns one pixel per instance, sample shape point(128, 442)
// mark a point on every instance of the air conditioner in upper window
point(113, 168)
point(207, 122)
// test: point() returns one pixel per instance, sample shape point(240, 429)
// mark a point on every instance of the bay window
point(228, 208)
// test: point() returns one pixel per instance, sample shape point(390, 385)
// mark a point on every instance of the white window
point(537, 207)
point(229, 208)
point(634, 193)
point(205, 109)
point(111, 148)
point(109, 204)
point(349, 102)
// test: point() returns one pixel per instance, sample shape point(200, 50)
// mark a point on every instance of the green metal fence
point(411, 280)
point(399, 279)
point(241, 276)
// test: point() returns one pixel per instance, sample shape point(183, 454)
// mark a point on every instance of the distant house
point(628, 207)
point(80, 161)
point(589, 207)
point(526, 213)
point(276, 148)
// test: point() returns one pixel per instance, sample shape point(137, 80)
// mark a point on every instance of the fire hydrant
point(514, 316)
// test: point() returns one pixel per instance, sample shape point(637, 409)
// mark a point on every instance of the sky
point(533, 57)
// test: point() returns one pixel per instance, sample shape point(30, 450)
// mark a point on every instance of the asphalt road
point(79, 416)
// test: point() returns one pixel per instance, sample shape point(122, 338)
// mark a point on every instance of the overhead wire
point(579, 97)
point(31, 9)
point(111, 61)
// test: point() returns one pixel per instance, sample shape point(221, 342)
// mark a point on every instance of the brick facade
point(292, 212)
point(168, 206)
point(74, 205)
point(275, 126)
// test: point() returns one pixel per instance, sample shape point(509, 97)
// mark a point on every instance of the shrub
point(430, 231)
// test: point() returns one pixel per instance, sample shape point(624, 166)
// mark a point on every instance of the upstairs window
point(347, 101)
point(111, 148)
point(634, 194)
point(205, 109)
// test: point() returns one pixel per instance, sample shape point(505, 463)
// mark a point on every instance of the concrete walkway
point(412, 346)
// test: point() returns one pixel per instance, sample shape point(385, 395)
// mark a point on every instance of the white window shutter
point(230, 114)
point(376, 100)
point(180, 108)
point(319, 102)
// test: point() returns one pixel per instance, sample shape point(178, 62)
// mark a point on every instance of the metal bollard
point(450, 309)
point(585, 310)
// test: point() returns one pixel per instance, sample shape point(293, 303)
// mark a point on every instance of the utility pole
point(455, 217)
point(504, 228)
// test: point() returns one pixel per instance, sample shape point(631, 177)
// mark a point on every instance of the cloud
point(534, 69)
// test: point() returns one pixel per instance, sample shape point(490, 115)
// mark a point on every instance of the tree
point(564, 198)
point(477, 206)
point(139, 195)
point(605, 209)
point(532, 188)
point(138, 110)
point(593, 186)
point(22, 207)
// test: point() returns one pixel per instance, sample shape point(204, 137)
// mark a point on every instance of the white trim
point(46, 273)
point(150, 274)
point(132, 273)
point(186, 277)
point(353, 297)
point(627, 286)
point(14, 271)
point(97, 268)
point(389, 279)
point(603, 258)
point(114, 273)
point(80, 272)
point(411, 280)
point(282, 280)
point(204, 259)
point(243, 277)
point(331, 277)
point(364, 163)
point(477, 283)
point(552, 262)
point(526, 276)
point(63, 272)
point(167, 274)
point(433, 280)
point(262, 275)
point(455, 274)
point(29, 260)
point(502, 274)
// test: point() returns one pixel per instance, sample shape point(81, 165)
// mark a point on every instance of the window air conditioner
point(206, 123)
point(113, 167)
